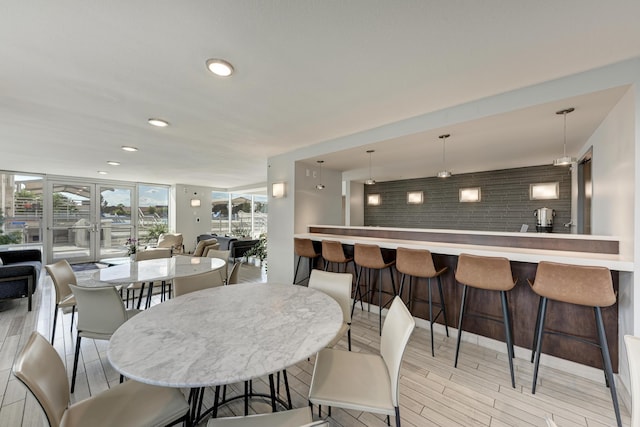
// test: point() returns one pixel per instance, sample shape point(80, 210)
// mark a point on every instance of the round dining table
point(154, 270)
point(224, 335)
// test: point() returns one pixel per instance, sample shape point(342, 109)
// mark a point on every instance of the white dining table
point(154, 270)
point(224, 335)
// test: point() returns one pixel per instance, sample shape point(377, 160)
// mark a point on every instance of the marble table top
point(224, 335)
point(153, 270)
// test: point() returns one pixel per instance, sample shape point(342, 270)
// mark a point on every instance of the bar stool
point(492, 274)
point(370, 257)
point(304, 249)
point(419, 263)
point(333, 252)
point(580, 285)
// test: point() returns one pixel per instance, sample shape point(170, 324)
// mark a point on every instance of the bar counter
point(524, 250)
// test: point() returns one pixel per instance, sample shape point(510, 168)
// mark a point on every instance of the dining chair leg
point(73, 312)
point(149, 295)
point(55, 319)
point(75, 362)
point(139, 296)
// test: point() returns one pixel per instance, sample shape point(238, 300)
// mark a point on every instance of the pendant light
point(444, 173)
point(370, 181)
point(321, 185)
point(564, 160)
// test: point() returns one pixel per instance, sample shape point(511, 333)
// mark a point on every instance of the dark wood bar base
point(523, 303)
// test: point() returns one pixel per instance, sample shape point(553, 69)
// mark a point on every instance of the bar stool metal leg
point(606, 358)
point(462, 304)
point(507, 332)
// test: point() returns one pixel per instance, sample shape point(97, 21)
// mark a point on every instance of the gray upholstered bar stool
point(370, 257)
point(581, 285)
point(333, 253)
point(491, 274)
point(419, 263)
point(304, 249)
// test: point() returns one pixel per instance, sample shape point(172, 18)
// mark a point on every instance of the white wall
point(355, 204)
point(189, 221)
point(613, 204)
point(613, 174)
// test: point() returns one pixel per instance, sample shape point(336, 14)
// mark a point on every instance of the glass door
point(71, 225)
point(89, 221)
point(117, 220)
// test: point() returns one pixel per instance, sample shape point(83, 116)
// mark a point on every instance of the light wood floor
point(433, 392)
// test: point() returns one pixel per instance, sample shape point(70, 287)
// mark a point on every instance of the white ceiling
point(79, 79)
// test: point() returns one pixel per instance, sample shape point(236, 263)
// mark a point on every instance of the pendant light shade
point(370, 181)
point(564, 160)
point(444, 173)
point(320, 186)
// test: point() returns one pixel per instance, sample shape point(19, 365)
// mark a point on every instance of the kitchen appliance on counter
point(544, 221)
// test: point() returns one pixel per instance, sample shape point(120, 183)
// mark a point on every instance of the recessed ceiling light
point(220, 67)
point(158, 122)
point(127, 148)
point(112, 163)
point(102, 172)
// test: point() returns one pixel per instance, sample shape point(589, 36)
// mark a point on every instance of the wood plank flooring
point(433, 392)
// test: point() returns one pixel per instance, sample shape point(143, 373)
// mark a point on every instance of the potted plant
point(259, 250)
point(132, 247)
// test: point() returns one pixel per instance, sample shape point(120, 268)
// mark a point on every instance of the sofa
point(19, 273)
point(237, 248)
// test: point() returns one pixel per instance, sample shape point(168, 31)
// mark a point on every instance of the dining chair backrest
point(41, 370)
point(198, 282)
point(202, 244)
point(155, 253)
point(100, 311)
point(398, 326)
point(337, 286)
point(223, 255)
point(233, 275)
point(633, 356)
point(62, 276)
point(300, 417)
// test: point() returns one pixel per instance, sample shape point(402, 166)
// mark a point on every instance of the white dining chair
point(148, 254)
point(363, 381)
point(234, 273)
point(40, 369)
point(62, 276)
point(100, 312)
point(338, 287)
point(198, 282)
point(300, 417)
point(223, 255)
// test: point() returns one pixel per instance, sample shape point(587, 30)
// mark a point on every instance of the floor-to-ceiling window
point(21, 209)
point(235, 214)
point(153, 211)
point(78, 219)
